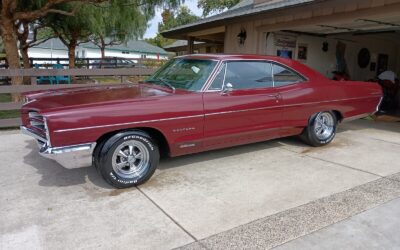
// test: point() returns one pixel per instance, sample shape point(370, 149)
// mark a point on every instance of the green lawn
point(5, 97)
point(5, 114)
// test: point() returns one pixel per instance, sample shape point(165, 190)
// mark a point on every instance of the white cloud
point(153, 24)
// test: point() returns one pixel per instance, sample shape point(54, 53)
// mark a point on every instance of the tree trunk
point(71, 55)
point(9, 36)
point(27, 63)
point(102, 49)
point(103, 53)
point(25, 58)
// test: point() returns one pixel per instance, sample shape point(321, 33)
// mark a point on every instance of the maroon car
point(192, 104)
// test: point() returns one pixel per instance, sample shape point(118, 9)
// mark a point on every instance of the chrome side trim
point(337, 100)
point(242, 110)
point(208, 114)
point(128, 123)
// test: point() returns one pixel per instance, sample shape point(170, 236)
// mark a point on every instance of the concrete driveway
point(254, 196)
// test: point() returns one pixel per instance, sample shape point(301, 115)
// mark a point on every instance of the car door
point(299, 96)
point(250, 111)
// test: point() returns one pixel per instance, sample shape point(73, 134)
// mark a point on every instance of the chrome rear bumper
point(72, 156)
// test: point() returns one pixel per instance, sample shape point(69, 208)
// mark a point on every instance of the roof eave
point(180, 31)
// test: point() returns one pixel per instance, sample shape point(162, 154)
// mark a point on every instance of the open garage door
point(359, 48)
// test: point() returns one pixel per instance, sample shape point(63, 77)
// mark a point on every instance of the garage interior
point(359, 50)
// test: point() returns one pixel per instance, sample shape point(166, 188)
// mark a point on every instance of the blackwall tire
point(127, 159)
point(321, 129)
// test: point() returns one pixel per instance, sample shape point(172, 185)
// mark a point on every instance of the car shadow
point(184, 160)
point(55, 175)
point(363, 124)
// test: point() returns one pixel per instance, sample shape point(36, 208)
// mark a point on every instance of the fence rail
point(34, 73)
point(89, 62)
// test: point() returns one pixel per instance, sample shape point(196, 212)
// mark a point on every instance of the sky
point(153, 28)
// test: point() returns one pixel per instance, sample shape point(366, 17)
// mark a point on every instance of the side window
point(284, 76)
point(219, 79)
point(249, 74)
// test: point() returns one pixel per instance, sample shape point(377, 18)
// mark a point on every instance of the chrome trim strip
point(203, 115)
point(128, 123)
point(337, 100)
point(211, 77)
point(242, 110)
point(31, 133)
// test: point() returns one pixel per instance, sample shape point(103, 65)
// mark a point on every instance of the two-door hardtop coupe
point(193, 103)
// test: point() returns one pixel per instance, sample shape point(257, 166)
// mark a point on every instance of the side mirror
point(228, 87)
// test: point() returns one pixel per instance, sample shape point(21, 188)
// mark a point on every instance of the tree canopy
point(172, 19)
point(215, 6)
point(75, 21)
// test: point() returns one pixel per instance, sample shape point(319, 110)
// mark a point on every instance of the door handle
point(276, 96)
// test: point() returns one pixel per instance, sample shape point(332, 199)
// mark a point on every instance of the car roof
point(234, 57)
point(296, 65)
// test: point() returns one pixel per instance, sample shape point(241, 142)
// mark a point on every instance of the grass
point(106, 80)
point(6, 114)
point(5, 98)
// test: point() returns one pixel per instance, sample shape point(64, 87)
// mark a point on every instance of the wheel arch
point(156, 134)
point(339, 115)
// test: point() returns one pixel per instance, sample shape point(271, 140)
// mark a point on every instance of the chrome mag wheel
point(131, 159)
point(324, 126)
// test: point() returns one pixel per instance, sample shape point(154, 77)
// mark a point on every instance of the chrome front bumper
point(73, 156)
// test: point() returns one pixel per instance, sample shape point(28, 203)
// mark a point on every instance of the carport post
point(190, 45)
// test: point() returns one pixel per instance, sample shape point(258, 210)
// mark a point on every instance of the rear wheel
point(127, 159)
point(321, 129)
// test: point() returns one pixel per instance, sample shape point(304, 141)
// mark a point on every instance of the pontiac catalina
point(193, 103)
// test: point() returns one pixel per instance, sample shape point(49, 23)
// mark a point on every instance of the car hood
point(71, 97)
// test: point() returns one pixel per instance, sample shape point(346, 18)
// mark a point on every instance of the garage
point(343, 40)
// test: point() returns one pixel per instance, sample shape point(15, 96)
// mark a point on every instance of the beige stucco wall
point(325, 62)
point(231, 40)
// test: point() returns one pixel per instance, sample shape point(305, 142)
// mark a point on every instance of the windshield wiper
point(163, 81)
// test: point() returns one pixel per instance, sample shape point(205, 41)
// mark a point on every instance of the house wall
point(257, 42)
point(325, 62)
point(47, 53)
point(232, 44)
point(82, 52)
point(322, 12)
point(96, 53)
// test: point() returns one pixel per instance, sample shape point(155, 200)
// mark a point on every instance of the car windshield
point(181, 73)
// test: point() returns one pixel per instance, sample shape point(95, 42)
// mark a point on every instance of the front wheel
point(321, 129)
point(127, 159)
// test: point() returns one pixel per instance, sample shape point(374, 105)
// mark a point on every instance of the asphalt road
point(279, 193)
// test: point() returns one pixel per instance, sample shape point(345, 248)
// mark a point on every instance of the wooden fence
point(34, 73)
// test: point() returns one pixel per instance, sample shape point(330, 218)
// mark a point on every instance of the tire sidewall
point(107, 151)
point(311, 132)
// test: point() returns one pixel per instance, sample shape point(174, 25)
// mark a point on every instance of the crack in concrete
point(169, 216)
